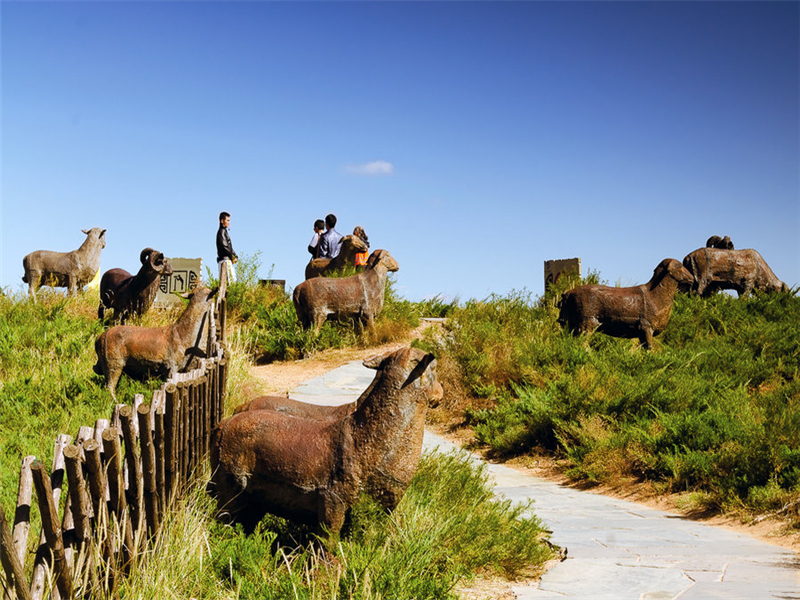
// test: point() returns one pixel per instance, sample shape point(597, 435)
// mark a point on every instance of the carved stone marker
point(553, 269)
point(186, 275)
point(274, 283)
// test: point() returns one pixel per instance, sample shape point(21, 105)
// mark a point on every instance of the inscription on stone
point(553, 269)
point(185, 277)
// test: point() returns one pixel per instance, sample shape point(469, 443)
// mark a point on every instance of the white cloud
point(375, 168)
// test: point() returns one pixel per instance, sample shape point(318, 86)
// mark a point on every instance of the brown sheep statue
point(160, 351)
point(312, 471)
point(133, 294)
point(357, 297)
point(741, 270)
point(72, 270)
point(640, 311)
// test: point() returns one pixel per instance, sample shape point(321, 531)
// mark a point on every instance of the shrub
point(714, 408)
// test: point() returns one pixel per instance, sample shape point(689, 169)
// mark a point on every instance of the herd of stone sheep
point(310, 463)
point(640, 311)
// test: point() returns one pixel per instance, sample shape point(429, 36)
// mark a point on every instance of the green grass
point(447, 528)
point(48, 385)
point(713, 409)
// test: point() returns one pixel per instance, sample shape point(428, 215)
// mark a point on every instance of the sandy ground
point(280, 377)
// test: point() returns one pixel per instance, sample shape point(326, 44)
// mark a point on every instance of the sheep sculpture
point(312, 471)
point(133, 294)
point(640, 311)
point(359, 297)
point(157, 351)
point(322, 267)
point(72, 270)
point(723, 243)
point(740, 270)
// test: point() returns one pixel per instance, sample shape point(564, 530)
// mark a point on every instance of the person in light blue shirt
point(330, 242)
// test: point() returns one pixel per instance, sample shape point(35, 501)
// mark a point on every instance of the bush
point(714, 408)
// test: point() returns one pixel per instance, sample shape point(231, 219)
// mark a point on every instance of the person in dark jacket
point(225, 250)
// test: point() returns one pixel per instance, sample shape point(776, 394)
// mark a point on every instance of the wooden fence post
point(10, 560)
point(206, 412)
point(171, 425)
point(77, 492)
point(223, 383)
point(52, 528)
point(56, 482)
point(22, 514)
point(212, 390)
point(116, 489)
point(183, 388)
point(135, 485)
point(161, 484)
point(149, 468)
point(98, 489)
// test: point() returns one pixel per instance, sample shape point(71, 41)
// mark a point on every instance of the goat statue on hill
point(312, 471)
point(160, 351)
point(358, 297)
point(322, 267)
point(133, 294)
point(72, 270)
point(721, 269)
point(640, 311)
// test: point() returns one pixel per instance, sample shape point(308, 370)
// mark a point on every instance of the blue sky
point(473, 140)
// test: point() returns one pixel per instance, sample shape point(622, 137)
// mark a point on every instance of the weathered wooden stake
point(149, 468)
point(135, 495)
point(22, 515)
point(81, 509)
point(52, 528)
point(118, 504)
point(10, 560)
point(171, 426)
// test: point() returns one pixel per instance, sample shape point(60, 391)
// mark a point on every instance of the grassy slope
point(48, 387)
point(714, 409)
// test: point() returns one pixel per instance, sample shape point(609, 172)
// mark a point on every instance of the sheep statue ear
point(375, 362)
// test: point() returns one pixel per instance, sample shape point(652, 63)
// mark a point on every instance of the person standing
point(313, 247)
point(331, 241)
point(225, 250)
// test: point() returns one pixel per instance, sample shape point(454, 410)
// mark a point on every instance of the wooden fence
point(122, 476)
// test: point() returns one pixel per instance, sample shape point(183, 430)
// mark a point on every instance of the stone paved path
point(615, 548)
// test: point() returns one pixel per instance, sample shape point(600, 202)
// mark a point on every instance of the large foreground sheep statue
point(313, 470)
point(72, 270)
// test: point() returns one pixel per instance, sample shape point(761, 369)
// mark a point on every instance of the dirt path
point(280, 378)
